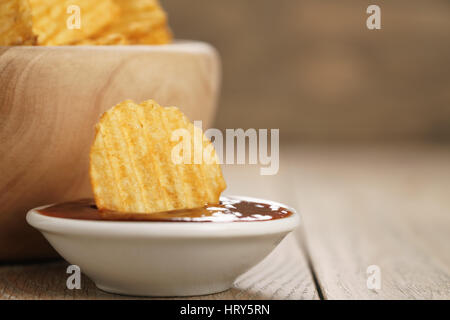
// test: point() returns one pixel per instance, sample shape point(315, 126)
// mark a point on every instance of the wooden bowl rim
point(179, 45)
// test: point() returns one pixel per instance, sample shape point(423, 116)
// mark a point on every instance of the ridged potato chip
point(103, 22)
point(135, 164)
point(160, 35)
point(110, 39)
point(140, 22)
point(50, 20)
point(15, 23)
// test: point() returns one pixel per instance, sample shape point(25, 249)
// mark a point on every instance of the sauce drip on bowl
point(228, 210)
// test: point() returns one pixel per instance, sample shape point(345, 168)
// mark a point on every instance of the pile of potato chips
point(97, 22)
point(135, 161)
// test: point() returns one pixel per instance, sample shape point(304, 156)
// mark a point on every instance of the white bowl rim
point(151, 229)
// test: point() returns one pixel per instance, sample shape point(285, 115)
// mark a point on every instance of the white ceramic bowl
point(164, 258)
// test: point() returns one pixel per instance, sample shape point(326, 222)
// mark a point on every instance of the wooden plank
point(284, 274)
point(361, 206)
point(384, 206)
point(247, 180)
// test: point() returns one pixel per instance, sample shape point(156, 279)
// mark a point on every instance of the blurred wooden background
point(313, 69)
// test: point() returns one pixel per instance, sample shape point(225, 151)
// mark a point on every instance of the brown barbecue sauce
point(228, 210)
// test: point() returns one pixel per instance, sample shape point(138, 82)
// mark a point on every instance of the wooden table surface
point(383, 206)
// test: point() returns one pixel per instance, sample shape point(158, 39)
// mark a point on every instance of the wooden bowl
point(50, 100)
